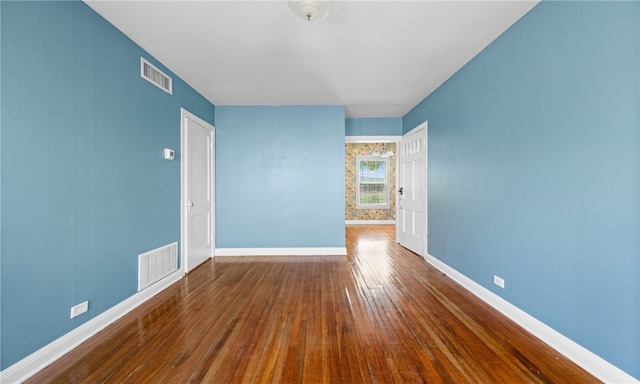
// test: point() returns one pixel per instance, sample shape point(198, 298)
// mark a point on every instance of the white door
point(412, 190)
point(197, 191)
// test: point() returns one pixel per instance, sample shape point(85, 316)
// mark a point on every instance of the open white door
point(197, 211)
point(412, 190)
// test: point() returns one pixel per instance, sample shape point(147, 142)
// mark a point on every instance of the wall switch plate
point(79, 309)
point(498, 281)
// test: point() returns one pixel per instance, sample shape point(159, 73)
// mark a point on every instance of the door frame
point(184, 114)
point(380, 139)
point(422, 126)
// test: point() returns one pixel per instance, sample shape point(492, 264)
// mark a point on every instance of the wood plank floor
point(379, 315)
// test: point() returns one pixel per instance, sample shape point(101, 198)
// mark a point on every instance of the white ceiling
point(378, 58)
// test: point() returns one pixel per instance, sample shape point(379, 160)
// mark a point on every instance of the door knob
point(190, 204)
point(400, 190)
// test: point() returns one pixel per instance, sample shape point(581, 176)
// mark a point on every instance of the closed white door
point(197, 191)
point(412, 191)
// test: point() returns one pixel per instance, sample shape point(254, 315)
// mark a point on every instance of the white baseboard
point(366, 222)
point(586, 359)
point(323, 251)
point(32, 364)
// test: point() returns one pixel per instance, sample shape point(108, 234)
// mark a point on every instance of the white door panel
point(412, 220)
point(197, 191)
point(199, 240)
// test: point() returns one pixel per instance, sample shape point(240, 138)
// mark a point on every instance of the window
point(372, 178)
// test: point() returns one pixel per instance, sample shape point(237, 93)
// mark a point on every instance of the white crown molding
point(369, 222)
point(322, 251)
point(32, 364)
point(586, 359)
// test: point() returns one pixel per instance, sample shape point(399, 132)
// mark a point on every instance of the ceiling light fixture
point(311, 10)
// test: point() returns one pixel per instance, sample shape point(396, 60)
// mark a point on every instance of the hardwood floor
point(379, 315)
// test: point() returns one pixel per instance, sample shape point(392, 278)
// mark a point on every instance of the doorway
point(377, 206)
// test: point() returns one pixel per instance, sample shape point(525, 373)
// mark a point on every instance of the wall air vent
point(157, 264)
point(155, 76)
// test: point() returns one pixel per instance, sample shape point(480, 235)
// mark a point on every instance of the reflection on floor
point(379, 315)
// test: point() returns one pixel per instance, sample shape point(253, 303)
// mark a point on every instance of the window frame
point(387, 205)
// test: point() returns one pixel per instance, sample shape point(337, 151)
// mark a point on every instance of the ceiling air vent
point(155, 76)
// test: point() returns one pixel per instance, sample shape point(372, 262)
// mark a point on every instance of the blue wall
point(390, 126)
point(533, 171)
point(280, 176)
point(85, 188)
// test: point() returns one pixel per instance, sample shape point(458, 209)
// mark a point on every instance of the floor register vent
point(157, 264)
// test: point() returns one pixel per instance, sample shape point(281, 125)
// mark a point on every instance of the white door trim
point(423, 126)
point(184, 114)
point(372, 139)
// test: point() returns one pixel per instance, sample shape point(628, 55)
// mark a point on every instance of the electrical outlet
point(79, 309)
point(498, 281)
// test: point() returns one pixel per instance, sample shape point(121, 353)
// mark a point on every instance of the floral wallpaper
point(351, 151)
